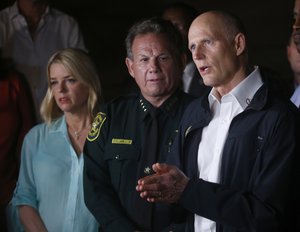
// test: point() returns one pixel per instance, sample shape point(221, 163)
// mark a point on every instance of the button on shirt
point(215, 134)
point(51, 180)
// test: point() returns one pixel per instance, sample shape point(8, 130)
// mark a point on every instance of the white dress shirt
point(214, 135)
point(296, 97)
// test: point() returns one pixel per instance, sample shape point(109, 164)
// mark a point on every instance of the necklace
point(78, 133)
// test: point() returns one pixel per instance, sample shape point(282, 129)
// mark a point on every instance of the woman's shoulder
point(43, 129)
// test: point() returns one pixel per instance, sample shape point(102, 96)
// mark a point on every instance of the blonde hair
point(81, 67)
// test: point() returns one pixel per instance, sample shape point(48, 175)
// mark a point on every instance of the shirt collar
point(189, 69)
point(59, 125)
point(247, 88)
point(14, 10)
point(244, 91)
point(167, 107)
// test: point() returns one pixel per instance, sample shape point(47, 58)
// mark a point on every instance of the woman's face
point(70, 94)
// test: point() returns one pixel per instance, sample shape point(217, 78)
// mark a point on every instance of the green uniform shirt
point(112, 152)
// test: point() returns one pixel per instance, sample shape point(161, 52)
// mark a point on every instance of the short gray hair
point(155, 25)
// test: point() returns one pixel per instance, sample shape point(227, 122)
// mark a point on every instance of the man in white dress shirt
point(237, 148)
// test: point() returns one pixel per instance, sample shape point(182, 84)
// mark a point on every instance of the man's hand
point(166, 185)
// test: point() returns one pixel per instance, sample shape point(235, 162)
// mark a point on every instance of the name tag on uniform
point(121, 141)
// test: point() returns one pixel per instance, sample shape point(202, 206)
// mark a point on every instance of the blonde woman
point(49, 193)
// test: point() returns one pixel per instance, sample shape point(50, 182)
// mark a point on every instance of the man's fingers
point(152, 196)
point(152, 179)
point(161, 168)
point(147, 194)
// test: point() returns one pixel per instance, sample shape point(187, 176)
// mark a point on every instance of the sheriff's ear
point(129, 64)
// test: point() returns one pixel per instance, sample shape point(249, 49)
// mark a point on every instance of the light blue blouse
point(50, 180)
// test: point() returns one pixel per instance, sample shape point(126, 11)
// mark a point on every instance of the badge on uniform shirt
point(96, 126)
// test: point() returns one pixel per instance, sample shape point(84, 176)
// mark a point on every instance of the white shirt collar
point(244, 91)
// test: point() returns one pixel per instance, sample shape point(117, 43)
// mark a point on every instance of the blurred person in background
point(16, 117)
point(182, 15)
point(32, 32)
point(294, 60)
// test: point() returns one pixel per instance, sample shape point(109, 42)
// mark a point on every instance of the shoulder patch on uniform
point(96, 126)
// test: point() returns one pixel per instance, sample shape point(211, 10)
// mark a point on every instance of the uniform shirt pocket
point(122, 162)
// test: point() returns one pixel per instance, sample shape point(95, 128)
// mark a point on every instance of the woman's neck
point(78, 128)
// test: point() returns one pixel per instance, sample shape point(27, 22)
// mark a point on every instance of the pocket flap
point(121, 152)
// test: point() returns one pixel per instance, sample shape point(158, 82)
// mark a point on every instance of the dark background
point(104, 25)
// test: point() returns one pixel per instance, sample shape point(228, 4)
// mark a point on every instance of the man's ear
point(240, 43)
point(129, 64)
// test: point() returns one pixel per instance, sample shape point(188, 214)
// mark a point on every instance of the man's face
point(296, 26)
point(154, 66)
point(214, 55)
point(294, 59)
point(179, 19)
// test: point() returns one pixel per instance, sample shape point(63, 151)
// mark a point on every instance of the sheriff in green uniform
point(118, 145)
